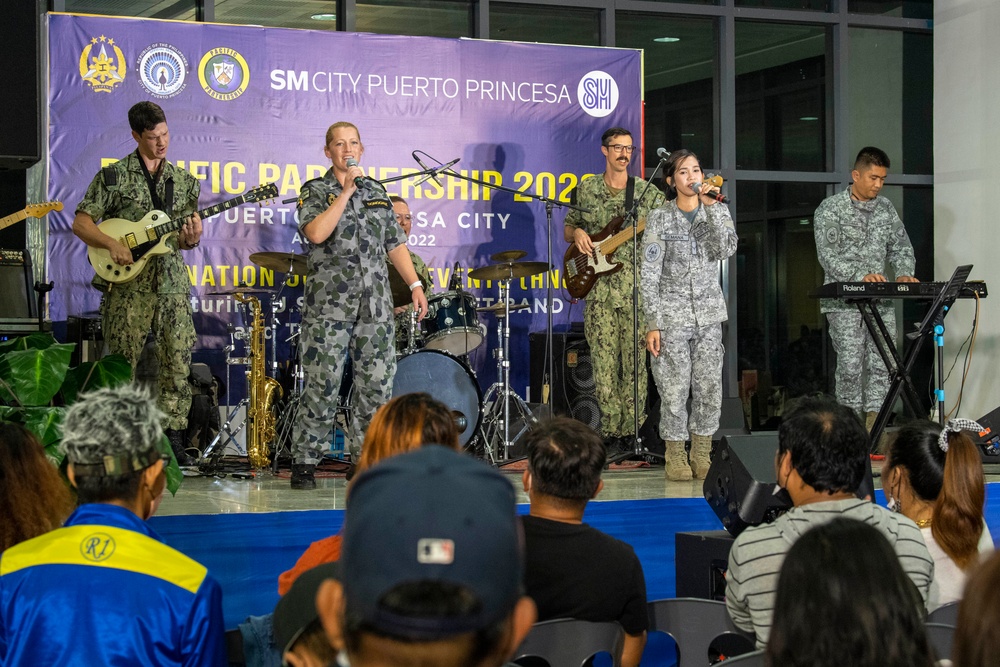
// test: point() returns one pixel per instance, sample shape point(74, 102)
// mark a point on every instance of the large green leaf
point(110, 371)
point(173, 469)
point(35, 341)
point(44, 422)
point(36, 375)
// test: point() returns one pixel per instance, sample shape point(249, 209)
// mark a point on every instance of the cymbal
point(282, 262)
point(508, 256)
point(508, 270)
point(498, 308)
point(242, 290)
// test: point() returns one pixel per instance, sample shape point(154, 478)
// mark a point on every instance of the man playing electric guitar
point(159, 297)
point(607, 319)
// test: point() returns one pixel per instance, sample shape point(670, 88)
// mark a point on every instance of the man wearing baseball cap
point(104, 589)
point(431, 566)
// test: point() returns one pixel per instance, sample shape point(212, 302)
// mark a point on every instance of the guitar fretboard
point(177, 223)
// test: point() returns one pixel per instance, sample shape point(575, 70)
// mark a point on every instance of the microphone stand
point(550, 204)
point(638, 448)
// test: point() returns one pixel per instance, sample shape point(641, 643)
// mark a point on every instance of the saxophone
point(264, 391)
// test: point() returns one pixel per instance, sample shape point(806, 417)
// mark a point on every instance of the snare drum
point(452, 324)
point(446, 379)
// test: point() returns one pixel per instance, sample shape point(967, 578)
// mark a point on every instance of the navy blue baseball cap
point(431, 515)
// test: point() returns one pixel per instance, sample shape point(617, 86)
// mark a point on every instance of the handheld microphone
point(715, 181)
point(456, 281)
point(663, 153)
point(432, 172)
point(359, 181)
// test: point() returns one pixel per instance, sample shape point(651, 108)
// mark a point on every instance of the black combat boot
point(303, 476)
point(177, 444)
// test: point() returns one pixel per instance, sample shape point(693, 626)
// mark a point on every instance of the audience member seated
point(431, 566)
point(104, 589)
point(403, 424)
point(934, 476)
point(821, 459)
point(34, 499)
point(571, 569)
point(977, 643)
point(297, 630)
point(843, 599)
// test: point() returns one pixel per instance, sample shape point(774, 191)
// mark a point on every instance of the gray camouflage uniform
point(159, 298)
point(607, 318)
point(683, 299)
point(854, 239)
point(347, 311)
point(403, 319)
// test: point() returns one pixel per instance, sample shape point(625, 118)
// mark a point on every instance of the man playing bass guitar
point(607, 319)
point(159, 297)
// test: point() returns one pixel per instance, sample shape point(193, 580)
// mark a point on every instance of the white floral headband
point(955, 426)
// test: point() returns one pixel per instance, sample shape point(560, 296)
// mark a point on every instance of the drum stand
point(211, 458)
point(496, 423)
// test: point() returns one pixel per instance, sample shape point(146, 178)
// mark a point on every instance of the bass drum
point(447, 380)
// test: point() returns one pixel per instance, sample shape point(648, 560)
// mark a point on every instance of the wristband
point(415, 284)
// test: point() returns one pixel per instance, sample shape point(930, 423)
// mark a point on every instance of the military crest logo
point(102, 64)
point(162, 70)
point(223, 74)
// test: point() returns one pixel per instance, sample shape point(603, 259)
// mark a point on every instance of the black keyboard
point(925, 291)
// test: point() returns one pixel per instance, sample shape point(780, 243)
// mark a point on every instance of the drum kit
point(432, 355)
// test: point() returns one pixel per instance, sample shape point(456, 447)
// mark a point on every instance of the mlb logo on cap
point(435, 551)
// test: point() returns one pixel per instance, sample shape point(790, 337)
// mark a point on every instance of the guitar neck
point(612, 242)
point(9, 220)
point(177, 223)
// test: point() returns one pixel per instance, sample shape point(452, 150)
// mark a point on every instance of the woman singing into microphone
point(684, 308)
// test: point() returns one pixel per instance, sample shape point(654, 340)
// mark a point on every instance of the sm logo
point(597, 93)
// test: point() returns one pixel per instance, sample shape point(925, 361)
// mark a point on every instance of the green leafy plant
point(37, 383)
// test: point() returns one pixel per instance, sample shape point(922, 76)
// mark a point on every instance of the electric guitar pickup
point(30, 211)
point(148, 237)
point(582, 271)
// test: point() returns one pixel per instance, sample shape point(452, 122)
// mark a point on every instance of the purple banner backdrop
point(250, 105)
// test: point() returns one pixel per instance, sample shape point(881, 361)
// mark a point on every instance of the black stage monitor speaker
point(741, 484)
point(20, 145)
point(17, 299)
point(701, 560)
point(572, 386)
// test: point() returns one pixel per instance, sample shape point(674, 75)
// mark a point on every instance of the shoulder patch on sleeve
point(833, 235)
point(652, 252)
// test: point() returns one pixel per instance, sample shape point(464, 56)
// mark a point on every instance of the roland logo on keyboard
point(848, 287)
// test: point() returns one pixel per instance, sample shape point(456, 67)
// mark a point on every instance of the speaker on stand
point(572, 384)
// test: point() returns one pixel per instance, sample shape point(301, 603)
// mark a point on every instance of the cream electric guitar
point(148, 237)
point(30, 211)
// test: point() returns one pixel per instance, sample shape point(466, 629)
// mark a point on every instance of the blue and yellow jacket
point(105, 590)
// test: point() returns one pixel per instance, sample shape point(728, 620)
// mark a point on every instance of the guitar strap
point(158, 204)
point(629, 194)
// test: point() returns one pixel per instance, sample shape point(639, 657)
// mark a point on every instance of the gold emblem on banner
point(106, 69)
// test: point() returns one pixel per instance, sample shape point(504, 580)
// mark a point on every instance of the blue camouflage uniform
point(347, 312)
point(682, 298)
point(853, 239)
point(105, 590)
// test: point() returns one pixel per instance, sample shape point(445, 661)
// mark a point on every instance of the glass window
point(679, 62)
point(907, 9)
point(430, 18)
point(552, 25)
point(184, 10)
point(780, 96)
point(781, 337)
point(278, 14)
point(814, 5)
point(891, 95)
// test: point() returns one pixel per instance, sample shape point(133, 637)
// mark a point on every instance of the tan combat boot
point(677, 468)
point(701, 455)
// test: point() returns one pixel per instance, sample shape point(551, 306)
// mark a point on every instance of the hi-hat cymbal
point(508, 270)
point(498, 308)
point(508, 256)
point(242, 290)
point(282, 262)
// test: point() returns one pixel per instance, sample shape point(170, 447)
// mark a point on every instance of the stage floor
point(248, 531)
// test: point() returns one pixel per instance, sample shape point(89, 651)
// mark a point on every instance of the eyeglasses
point(618, 148)
point(400, 218)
